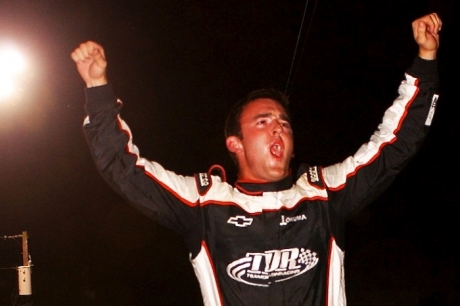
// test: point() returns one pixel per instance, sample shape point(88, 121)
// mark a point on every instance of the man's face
point(265, 149)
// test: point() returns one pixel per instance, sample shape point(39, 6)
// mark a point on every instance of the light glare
point(12, 64)
point(6, 87)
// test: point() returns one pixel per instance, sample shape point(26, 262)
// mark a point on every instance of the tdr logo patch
point(263, 268)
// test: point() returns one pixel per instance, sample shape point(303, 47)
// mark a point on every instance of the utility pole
point(25, 249)
point(24, 278)
point(24, 273)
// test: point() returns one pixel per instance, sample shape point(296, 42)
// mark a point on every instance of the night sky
point(178, 66)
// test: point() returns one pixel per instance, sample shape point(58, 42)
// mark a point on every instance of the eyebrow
point(269, 114)
point(263, 115)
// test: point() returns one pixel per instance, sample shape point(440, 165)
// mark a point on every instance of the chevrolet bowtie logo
point(240, 221)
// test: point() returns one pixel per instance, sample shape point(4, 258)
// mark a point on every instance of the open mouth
point(276, 150)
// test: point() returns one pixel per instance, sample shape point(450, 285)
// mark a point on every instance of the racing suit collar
point(257, 188)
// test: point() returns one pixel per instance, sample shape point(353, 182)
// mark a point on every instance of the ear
point(233, 144)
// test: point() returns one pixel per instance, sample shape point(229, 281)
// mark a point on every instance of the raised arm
point(158, 193)
point(91, 63)
point(362, 177)
point(426, 33)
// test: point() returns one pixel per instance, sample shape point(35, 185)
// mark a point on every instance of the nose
point(277, 128)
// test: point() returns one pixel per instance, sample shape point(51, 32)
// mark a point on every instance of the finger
point(93, 50)
point(81, 55)
point(432, 25)
point(436, 19)
point(88, 51)
point(421, 29)
point(99, 57)
point(435, 23)
point(77, 55)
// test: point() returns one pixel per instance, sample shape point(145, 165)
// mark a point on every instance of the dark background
point(178, 66)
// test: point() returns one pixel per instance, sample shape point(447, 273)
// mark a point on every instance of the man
point(275, 238)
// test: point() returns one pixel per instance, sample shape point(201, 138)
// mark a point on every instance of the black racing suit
point(278, 243)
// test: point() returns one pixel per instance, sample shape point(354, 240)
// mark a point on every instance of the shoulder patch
point(314, 176)
point(203, 182)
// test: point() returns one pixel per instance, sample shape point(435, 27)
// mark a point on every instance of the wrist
point(94, 83)
point(427, 55)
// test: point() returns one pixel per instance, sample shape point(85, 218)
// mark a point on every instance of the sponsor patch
point(314, 176)
point(285, 220)
point(203, 182)
point(262, 269)
point(429, 118)
point(240, 221)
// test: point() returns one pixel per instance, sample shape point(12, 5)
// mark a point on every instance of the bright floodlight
point(12, 64)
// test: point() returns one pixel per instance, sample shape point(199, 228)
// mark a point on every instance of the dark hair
point(233, 123)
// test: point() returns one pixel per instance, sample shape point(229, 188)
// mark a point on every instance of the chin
point(278, 176)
